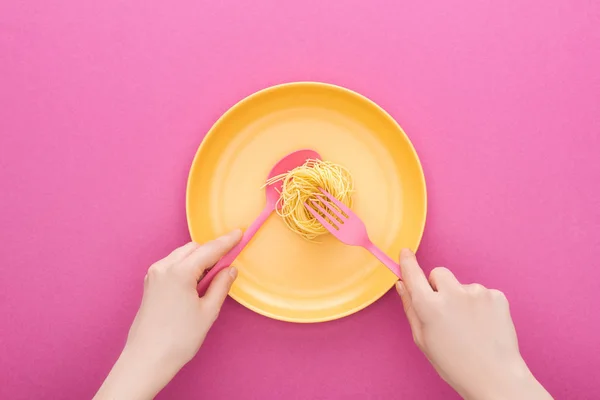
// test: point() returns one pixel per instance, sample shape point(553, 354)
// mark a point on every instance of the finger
point(218, 289)
point(442, 279)
point(414, 279)
point(181, 252)
point(208, 254)
point(411, 315)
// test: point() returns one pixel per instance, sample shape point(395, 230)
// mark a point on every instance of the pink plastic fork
point(348, 228)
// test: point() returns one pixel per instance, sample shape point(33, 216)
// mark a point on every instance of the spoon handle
point(228, 258)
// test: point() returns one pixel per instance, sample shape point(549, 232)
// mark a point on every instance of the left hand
point(172, 321)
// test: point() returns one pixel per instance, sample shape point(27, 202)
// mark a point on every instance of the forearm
point(134, 377)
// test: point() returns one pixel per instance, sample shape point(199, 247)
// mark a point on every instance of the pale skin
point(465, 331)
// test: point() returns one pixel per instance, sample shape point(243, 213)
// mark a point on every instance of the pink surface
point(102, 107)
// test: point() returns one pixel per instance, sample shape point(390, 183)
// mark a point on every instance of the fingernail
point(406, 253)
point(227, 237)
point(233, 272)
point(400, 288)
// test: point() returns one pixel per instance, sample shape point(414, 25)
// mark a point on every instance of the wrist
point(136, 375)
point(150, 366)
point(513, 383)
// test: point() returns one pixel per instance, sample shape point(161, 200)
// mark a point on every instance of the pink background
point(102, 107)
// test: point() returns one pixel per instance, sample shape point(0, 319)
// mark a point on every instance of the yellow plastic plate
point(281, 275)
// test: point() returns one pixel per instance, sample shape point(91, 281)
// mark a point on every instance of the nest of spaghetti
point(301, 185)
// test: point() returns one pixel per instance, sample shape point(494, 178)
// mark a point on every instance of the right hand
point(467, 334)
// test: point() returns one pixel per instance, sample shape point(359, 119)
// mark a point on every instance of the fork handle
point(387, 261)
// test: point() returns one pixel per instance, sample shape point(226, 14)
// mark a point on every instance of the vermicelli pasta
point(302, 184)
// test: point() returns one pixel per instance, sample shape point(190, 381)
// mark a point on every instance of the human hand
point(467, 334)
point(172, 321)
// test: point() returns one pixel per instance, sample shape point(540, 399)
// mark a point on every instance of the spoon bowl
point(272, 191)
point(283, 166)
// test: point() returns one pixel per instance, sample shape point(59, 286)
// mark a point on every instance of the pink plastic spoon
point(272, 191)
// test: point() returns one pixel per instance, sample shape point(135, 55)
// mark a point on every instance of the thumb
point(413, 320)
point(219, 288)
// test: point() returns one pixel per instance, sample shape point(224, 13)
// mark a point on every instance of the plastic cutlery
point(345, 225)
point(272, 191)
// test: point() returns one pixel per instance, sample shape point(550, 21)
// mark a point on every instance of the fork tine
point(328, 225)
point(328, 209)
point(338, 203)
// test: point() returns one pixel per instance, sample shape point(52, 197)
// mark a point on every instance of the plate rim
point(250, 97)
